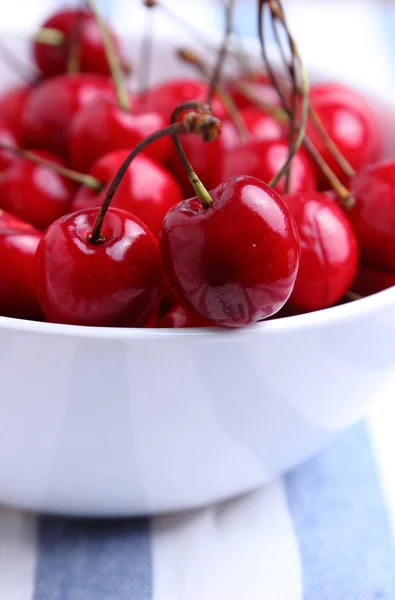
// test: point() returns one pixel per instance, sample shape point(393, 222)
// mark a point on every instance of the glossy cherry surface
point(34, 192)
point(263, 159)
point(17, 290)
point(235, 262)
point(52, 60)
point(12, 103)
point(371, 281)
point(103, 127)
point(373, 216)
point(113, 283)
point(329, 251)
point(7, 138)
point(261, 126)
point(258, 84)
point(179, 317)
point(147, 189)
point(52, 104)
point(10, 221)
point(350, 124)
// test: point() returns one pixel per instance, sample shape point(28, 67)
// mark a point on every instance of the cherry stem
point(192, 58)
point(50, 36)
point(81, 178)
point(216, 76)
point(201, 192)
point(113, 62)
point(74, 58)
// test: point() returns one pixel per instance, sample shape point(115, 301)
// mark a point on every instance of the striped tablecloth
point(323, 532)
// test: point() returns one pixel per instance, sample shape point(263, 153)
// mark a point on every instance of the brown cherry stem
point(216, 76)
point(81, 178)
point(113, 62)
point(74, 58)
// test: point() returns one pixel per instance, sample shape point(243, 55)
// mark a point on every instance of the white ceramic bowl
point(126, 422)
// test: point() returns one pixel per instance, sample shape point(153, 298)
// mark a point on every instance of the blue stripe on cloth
point(341, 523)
point(93, 560)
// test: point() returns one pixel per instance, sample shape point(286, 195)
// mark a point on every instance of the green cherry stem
point(113, 62)
point(74, 58)
point(216, 76)
point(50, 36)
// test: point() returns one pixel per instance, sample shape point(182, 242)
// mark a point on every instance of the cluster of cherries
point(155, 257)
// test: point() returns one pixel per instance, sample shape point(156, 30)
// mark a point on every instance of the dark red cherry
point(329, 258)
point(203, 156)
point(52, 60)
point(103, 127)
point(261, 126)
point(6, 157)
point(166, 96)
point(373, 215)
point(34, 192)
point(263, 159)
point(52, 104)
point(10, 221)
point(17, 291)
point(235, 262)
point(12, 103)
point(350, 124)
point(259, 85)
point(178, 317)
point(371, 281)
point(147, 189)
point(113, 283)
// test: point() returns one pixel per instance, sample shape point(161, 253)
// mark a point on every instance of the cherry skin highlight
point(147, 189)
point(52, 104)
point(116, 282)
point(34, 192)
point(103, 127)
point(10, 221)
point(261, 126)
point(235, 262)
point(373, 215)
point(17, 290)
point(52, 60)
point(329, 251)
point(263, 159)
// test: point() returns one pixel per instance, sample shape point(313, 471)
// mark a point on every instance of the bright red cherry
point(373, 215)
point(259, 85)
point(12, 104)
point(166, 96)
point(52, 105)
point(234, 262)
point(370, 281)
point(203, 156)
point(262, 126)
point(116, 282)
point(10, 221)
point(178, 317)
point(52, 60)
point(329, 257)
point(147, 189)
point(34, 192)
point(263, 159)
point(103, 127)
point(6, 157)
point(17, 291)
point(350, 124)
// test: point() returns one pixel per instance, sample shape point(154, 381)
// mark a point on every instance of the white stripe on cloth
point(17, 554)
point(245, 548)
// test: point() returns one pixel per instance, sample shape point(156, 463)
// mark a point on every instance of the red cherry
point(235, 262)
point(153, 322)
point(178, 317)
point(350, 124)
point(260, 86)
point(166, 96)
point(52, 60)
point(373, 215)
point(202, 156)
point(263, 159)
point(370, 281)
point(103, 127)
point(147, 189)
point(10, 221)
point(52, 105)
point(17, 292)
point(12, 104)
point(113, 283)
point(329, 256)
point(262, 126)
point(7, 138)
point(34, 192)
